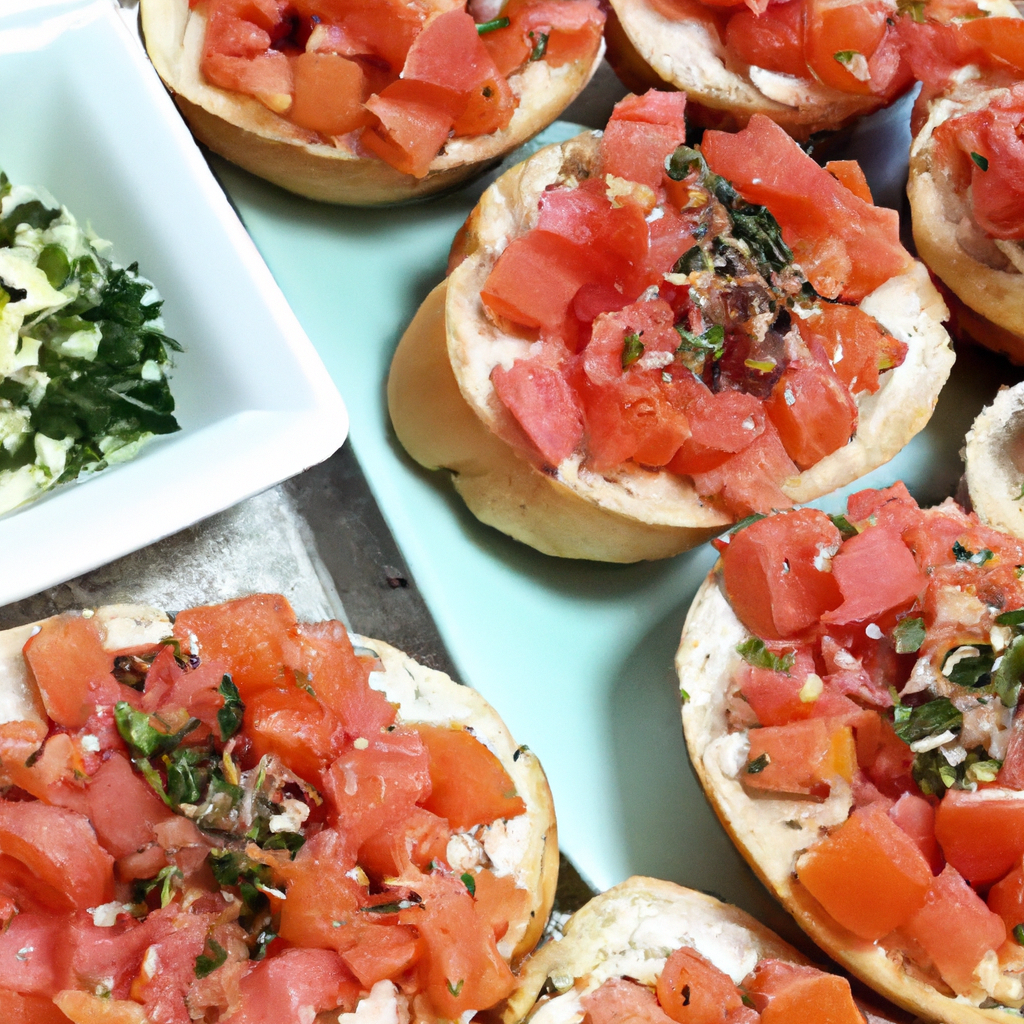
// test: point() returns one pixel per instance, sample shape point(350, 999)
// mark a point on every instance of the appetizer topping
point(392, 80)
point(232, 823)
point(83, 356)
point(683, 305)
point(909, 638)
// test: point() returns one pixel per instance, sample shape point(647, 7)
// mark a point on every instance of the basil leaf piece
point(259, 949)
point(290, 841)
point(206, 965)
point(754, 652)
point(756, 226)
point(971, 670)
point(492, 25)
point(934, 774)
point(1014, 618)
point(979, 160)
point(469, 882)
point(931, 719)
point(693, 260)
point(1018, 933)
point(540, 44)
point(711, 342)
point(908, 636)
point(455, 989)
point(759, 764)
point(632, 350)
point(962, 554)
point(136, 731)
point(187, 775)
point(165, 878)
point(845, 57)
point(1006, 677)
point(683, 161)
point(844, 526)
point(229, 718)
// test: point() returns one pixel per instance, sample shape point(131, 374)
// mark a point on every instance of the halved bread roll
point(447, 414)
point(994, 460)
point(522, 848)
point(629, 932)
point(248, 133)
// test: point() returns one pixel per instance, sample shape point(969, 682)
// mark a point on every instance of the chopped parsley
point(136, 730)
point(710, 343)
point(754, 652)
point(980, 160)
point(759, 764)
point(208, 964)
point(469, 882)
point(540, 44)
point(1007, 674)
point(969, 665)
point(229, 717)
point(632, 350)
point(908, 635)
point(932, 719)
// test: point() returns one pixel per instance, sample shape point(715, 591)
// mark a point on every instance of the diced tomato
point(489, 108)
point(786, 993)
point(845, 246)
point(855, 343)
point(110, 791)
point(773, 696)
point(67, 661)
point(916, 817)
point(889, 766)
point(468, 784)
point(955, 929)
point(1006, 898)
point(499, 901)
point(534, 280)
point(868, 874)
point(772, 40)
point(266, 77)
point(691, 988)
point(414, 121)
point(85, 1008)
point(983, 838)
point(18, 1009)
point(329, 94)
point(771, 577)
point(544, 404)
point(378, 783)
point(619, 999)
point(836, 34)
point(804, 757)
point(294, 725)
point(636, 150)
point(60, 847)
point(1002, 38)
point(417, 840)
point(876, 574)
point(295, 985)
point(891, 506)
point(33, 954)
point(249, 636)
point(850, 175)
point(450, 53)
point(573, 30)
point(382, 31)
point(383, 951)
point(462, 969)
point(324, 659)
point(812, 410)
point(721, 424)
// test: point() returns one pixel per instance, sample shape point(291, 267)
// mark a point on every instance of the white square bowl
point(85, 115)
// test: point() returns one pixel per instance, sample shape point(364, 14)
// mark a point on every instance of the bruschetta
point(850, 691)
point(652, 951)
point(966, 167)
point(240, 817)
point(383, 102)
point(809, 65)
point(641, 342)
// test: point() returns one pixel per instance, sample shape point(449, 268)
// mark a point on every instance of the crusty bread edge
point(994, 458)
point(244, 131)
point(705, 663)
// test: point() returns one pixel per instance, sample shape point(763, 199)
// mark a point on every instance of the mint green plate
point(577, 657)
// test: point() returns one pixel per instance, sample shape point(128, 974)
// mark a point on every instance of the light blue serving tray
point(577, 657)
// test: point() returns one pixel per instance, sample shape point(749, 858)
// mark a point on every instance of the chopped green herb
point(135, 729)
point(844, 526)
point(1011, 618)
point(264, 938)
point(980, 160)
point(1018, 933)
point(229, 717)
point(754, 517)
point(540, 44)
point(846, 57)
point(969, 665)
point(934, 774)
point(166, 878)
point(759, 764)
point(761, 365)
point(208, 964)
point(756, 226)
point(394, 907)
point(931, 719)
point(455, 989)
point(914, 8)
point(908, 635)
point(693, 260)
point(152, 776)
point(469, 882)
point(290, 841)
point(710, 343)
point(683, 695)
point(1007, 675)
point(492, 25)
point(963, 554)
point(632, 350)
point(683, 162)
point(187, 774)
point(754, 652)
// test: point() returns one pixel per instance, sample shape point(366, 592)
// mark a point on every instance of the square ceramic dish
point(86, 116)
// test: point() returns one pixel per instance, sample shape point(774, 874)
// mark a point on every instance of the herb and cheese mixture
point(83, 356)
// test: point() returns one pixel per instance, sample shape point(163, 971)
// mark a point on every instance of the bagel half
point(629, 931)
point(649, 49)
point(994, 459)
point(990, 282)
point(247, 133)
point(447, 415)
point(524, 847)
point(772, 831)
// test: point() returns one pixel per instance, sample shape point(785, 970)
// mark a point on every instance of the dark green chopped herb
point(846, 57)
point(520, 750)
point(492, 25)
point(969, 669)
point(756, 226)
point(54, 263)
point(290, 841)
point(759, 764)
point(754, 652)
point(166, 879)
point(694, 260)
point(469, 882)
point(152, 776)
point(540, 44)
point(683, 695)
point(931, 719)
point(963, 554)
point(394, 906)
point(229, 717)
point(980, 160)
point(263, 939)
point(455, 989)
point(188, 774)
point(135, 729)
point(754, 517)
point(632, 350)
point(844, 526)
point(1011, 618)
point(710, 343)
point(206, 965)
point(1018, 933)
point(934, 774)
point(908, 635)
point(1006, 676)
point(683, 162)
